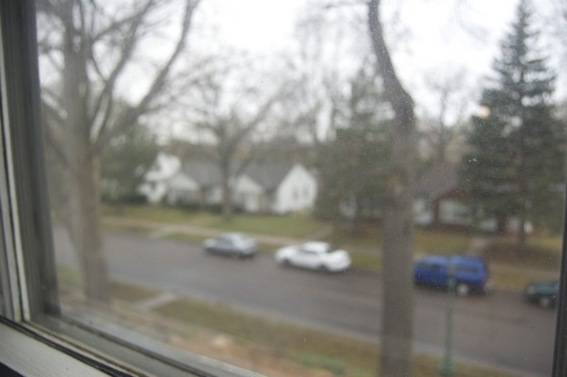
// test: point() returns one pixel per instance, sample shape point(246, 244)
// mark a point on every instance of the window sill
point(31, 357)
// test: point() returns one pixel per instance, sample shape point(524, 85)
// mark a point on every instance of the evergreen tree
point(515, 164)
point(125, 162)
point(354, 165)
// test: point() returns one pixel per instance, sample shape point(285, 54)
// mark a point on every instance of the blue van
point(471, 273)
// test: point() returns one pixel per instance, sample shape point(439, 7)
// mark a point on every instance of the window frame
point(26, 181)
point(560, 346)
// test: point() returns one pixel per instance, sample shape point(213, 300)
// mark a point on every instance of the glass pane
point(423, 140)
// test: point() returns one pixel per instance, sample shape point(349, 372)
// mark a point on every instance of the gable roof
point(268, 175)
point(438, 180)
point(204, 173)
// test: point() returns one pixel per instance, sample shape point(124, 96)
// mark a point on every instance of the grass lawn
point(442, 242)
point(337, 355)
point(511, 278)
point(550, 244)
point(293, 226)
point(539, 253)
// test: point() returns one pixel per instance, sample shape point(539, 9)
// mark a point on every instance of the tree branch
point(118, 24)
point(107, 93)
point(131, 115)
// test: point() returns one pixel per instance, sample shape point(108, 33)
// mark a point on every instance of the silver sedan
point(232, 244)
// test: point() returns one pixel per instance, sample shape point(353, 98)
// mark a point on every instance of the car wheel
point(544, 302)
point(462, 289)
point(285, 262)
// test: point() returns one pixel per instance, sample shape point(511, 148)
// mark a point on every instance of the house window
point(124, 288)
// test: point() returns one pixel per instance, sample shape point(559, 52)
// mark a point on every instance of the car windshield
point(233, 237)
point(468, 269)
point(317, 247)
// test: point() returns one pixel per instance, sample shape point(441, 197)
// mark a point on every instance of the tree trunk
point(522, 236)
point(226, 194)
point(501, 224)
point(436, 209)
point(83, 211)
point(398, 244)
point(397, 302)
point(355, 219)
point(85, 229)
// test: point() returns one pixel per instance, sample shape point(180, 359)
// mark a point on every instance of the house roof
point(268, 175)
point(204, 173)
point(440, 179)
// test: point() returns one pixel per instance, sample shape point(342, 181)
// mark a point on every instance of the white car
point(314, 255)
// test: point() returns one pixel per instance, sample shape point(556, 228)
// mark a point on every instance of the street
point(498, 330)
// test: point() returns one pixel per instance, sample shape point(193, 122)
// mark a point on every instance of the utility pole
point(447, 368)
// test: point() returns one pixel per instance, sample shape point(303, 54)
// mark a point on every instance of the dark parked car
point(543, 293)
point(471, 273)
point(233, 244)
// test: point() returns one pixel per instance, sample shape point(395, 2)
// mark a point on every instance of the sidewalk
point(159, 230)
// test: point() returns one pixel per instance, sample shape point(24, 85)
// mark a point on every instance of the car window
point(224, 241)
point(437, 267)
point(308, 251)
point(467, 269)
point(430, 266)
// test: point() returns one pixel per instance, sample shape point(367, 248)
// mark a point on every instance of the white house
point(157, 179)
point(440, 201)
point(262, 187)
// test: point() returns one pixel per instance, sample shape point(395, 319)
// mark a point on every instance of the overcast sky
point(440, 36)
point(428, 39)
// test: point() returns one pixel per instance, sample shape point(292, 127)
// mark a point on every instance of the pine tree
point(353, 165)
point(516, 160)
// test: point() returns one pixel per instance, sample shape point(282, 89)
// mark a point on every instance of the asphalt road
point(499, 330)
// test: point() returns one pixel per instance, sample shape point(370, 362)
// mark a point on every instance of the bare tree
point(449, 108)
point(310, 111)
point(398, 302)
point(89, 49)
point(230, 119)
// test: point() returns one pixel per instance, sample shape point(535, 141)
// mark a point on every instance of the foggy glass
point(224, 177)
